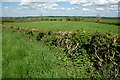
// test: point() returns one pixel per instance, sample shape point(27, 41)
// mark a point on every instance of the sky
point(20, 8)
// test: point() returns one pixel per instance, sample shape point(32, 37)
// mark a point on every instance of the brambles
point(40, 36)
point(101, 49)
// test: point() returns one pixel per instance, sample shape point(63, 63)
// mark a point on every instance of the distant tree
point(76, 18)
point(46, 19)
point(60, 19)
point(82, 18)
point(51, 19)
point(98, 18)
point(67, 18)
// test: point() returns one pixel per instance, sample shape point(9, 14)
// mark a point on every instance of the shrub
point(76, 18)
point(40, 36)
point(60, 19)
point(101, 49)
point(68, 18)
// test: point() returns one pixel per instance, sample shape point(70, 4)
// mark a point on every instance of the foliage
point(101, 49)
point(68, 18)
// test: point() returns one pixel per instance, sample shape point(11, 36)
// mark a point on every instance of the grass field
point(69, 26)
point(102, 20)
point(23, 59)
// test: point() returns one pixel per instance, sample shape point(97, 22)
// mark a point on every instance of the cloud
point(54, 4)
point(87, 4)
point(27, 0)
point(85, 9)
point(114, 6)
point(24, 3)
point(100, 2)
point(41, 5)
point(113, 1)
point(90, 2)
point(38, 5)
point(99, 8)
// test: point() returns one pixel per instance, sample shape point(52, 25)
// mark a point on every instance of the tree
point(98, 18)
point(67, 18)
point(75, 18)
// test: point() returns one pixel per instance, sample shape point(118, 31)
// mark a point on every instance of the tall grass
point(0, 52)
point(21, 59)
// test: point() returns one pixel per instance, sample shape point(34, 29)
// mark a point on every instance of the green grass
point(68, 25)
point(31, 59)
point(0, 52)
point(102, 20)
point(23, 59)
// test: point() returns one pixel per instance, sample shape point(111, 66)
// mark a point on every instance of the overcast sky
point(17, 8)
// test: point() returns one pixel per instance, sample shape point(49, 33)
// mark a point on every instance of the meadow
point(68, 26)
point(61, 49)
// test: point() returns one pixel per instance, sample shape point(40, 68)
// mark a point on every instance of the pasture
point(68, 26)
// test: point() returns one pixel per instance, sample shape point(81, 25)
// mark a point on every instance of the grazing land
point(68, 26)
point(55, 48)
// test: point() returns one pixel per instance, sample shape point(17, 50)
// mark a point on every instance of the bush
point(40, 36)
point(60, 19)
point(101, 49)
point(68, 18)
point(76, 18)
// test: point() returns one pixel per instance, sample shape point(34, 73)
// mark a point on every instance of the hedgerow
point(101, 49)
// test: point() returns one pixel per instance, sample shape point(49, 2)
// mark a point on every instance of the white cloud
point(113, 1)
point(54, 4)
point(100, 2)
point(90, 2)
point(107, 9)
point(24, 3)
point(27, 0)
point(22, 8)
point(87, 4)
point(114, 6)
point(85, 9)
point(62, 8)
point(99, 8)
point(6, 7)
point(69, 8)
